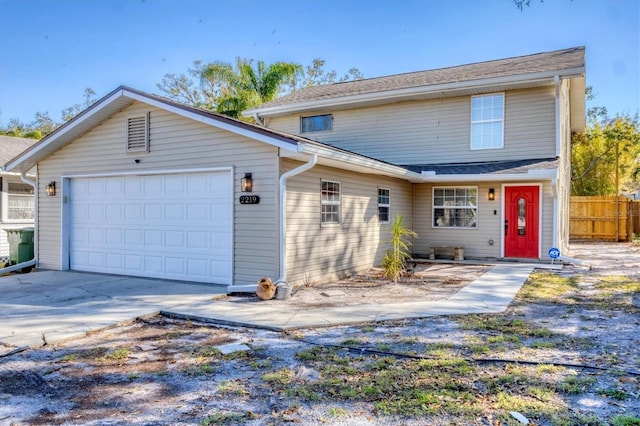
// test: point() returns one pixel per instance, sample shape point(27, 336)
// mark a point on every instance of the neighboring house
point(16, 196)
point(149, 187)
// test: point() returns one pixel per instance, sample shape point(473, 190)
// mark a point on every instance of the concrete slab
point(50, 306)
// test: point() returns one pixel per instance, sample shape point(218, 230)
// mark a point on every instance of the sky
point(52, 50)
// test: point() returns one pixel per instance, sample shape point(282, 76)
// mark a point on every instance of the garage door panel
point(174, 226)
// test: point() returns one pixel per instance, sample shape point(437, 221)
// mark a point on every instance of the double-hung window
point(455, 207)
point(487, 121)
point(384, 204)
point(330, 202)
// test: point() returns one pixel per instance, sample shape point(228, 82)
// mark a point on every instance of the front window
point(455, 207)
point(316, 123)
point(384, 203)
point(20, 201)
point(487, 121)
point(330, 200)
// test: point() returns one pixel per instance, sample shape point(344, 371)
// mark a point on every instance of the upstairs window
point(316, 123)
point(138, 133)
point(20, 201)
point(384, 204)
point(487, 121)
point(330, 200)
point(455, 207)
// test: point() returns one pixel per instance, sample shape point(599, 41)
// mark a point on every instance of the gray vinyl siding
point(438, 131)
point(176, 143)
point(317, 253)
point(13, 224)
point(475, 241)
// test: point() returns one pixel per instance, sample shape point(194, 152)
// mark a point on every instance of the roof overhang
point(117, 101)
point(531, 175)
point(437, 91)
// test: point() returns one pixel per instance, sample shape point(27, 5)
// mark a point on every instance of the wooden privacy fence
point(607, 218)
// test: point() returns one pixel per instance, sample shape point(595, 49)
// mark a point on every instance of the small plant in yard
point(626, 421)
point(394, 261)
point(117, 355)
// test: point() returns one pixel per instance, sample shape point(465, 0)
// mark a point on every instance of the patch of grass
point(617, 394)
point(206, 352)
point(116, 355)
point(504, 338)
point(578, 419)
point(625, 421)
point(261, 364)
point(383, 346)
point(199, 370)
point(526, 405)
point(228, 418)
point(337, 412)
point(232, 387)
point(574, 385)
point(548, 368)
point(281, 377)
point(351, 342)
point(479, 349)
point(367, 329)
point(544, 344)
point(547, 287)
point(175, 334)
point(69, 358)
point(500, 324)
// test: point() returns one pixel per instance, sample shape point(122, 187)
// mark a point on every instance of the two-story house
point(476, 156)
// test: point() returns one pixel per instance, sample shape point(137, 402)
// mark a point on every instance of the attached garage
point(165, 225)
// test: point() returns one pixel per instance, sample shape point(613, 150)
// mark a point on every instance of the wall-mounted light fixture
point(492, 194)
point(51, 189)
point(246, 183)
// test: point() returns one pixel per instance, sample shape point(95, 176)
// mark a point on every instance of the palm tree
point(247, 86)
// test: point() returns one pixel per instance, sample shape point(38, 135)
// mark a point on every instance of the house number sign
point(249, 199)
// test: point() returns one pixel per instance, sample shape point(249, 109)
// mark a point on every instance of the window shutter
point(138, 133)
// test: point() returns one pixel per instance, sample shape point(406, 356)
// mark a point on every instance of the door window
point(522, 219)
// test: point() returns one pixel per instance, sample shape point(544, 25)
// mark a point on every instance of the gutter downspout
point(283, 214)
point(25, 179)
point(251, 288)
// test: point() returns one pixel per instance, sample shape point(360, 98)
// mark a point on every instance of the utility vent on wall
point(138, 133)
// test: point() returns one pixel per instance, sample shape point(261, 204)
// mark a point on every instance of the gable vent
point(138, 133)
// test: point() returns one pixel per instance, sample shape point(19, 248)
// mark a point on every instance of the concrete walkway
point(51, 306)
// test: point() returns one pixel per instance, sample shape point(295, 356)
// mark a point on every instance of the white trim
point(433, 206)
point(471, 122)
point(150, 172)
point(65, 224)
point(388, 205)
point(544, 174)
point(556, 82)
point(438, 89)
point(540, 222)
point(104, 103)
point(331, 203)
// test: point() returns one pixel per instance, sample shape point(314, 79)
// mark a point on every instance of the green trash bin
point(20, 245)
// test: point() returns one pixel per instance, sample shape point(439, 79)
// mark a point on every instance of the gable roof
point(11, 146)
point(290, 145)
point(518, 72)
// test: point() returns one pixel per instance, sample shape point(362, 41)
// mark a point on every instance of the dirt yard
point(565, 353)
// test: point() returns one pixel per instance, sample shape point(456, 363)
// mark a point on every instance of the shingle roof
point(566, 59)
point(486, 167)
point(11, 146)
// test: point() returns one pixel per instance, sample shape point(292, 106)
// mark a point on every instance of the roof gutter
point(543, 174)
point(413, 91)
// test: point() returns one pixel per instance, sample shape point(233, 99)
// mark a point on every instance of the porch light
point(246, 183)
point(51, 189)
point(492, 194)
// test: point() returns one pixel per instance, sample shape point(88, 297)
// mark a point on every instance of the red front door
point(521, 225)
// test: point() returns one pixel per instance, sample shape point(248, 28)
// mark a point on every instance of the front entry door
point(521, 225)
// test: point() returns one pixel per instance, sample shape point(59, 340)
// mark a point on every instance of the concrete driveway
point(48, 306)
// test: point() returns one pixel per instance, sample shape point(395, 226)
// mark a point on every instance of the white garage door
point(173, 226)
